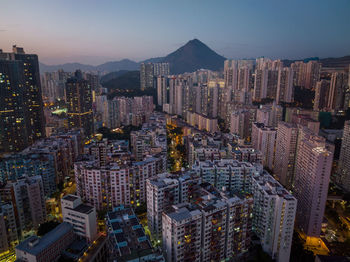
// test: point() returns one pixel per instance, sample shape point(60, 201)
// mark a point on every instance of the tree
point(101, 214)
point(47, 227)
point(260, 255)
point(139, 210)
point(181, 149)
point(298, 253)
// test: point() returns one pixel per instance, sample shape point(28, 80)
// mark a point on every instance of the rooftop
point(128, 235)
point(82, 208)
point(35, 245)
point(70, 197)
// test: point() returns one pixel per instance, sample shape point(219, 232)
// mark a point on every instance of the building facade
point(79, 100)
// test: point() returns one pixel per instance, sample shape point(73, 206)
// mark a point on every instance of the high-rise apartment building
point(273, 216)
point(237, 74)
point(272, 81)
point(102, 187)
point(274, 207)
point(107, 186)
point(16, 166)
point(8, 228)
point(163, 191)
point(344, 159)
point(269, 114)
point(286, 147)
point(262, 63)
point(228, 174)
point(127, 110)
point(260, 84)
point(27, 197)
point(306, 74)
point(148, 72)
point(212, 98)
point(285, 87)
point(162, 92)
point(230, 73)
point(321, 95)
point(161, 69)
point(337, 92)
point(244, 154)
point(299, 69)
point(146, 75)
point(53, 85)
point(216, 226)
point(264, 139)
point(202, 122)
point(79, 100)
point(312, 74)
point(312, 174)
point(21, 108)
point(182, 234)
point(241, 122)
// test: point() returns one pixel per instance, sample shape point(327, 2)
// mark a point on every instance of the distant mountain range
point(192, 56)
point(113, 66)
point(188, 58)
point(331, 62)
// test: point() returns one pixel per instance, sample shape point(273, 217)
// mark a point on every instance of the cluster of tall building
point(150, 71)
point(54, 84)
point(208, 212)
point(79, 101)
point(191, 93)
point(51, 158)
point(333, 94)
point(21, 107)
point(28, 178)
point(205, 95)
point(105, 183)
point(211, 212)
point(121, 111)
point(27, 197)
point(306, 74)
point(281, 138)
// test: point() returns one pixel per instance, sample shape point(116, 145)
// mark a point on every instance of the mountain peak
point(195, 41)
point(192, 56)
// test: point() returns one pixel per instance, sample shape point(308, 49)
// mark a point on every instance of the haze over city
point(93, 33)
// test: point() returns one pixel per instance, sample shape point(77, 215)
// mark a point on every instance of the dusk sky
point(94, 32)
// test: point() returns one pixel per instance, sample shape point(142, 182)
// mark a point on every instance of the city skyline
point(138, 31)
point(227, 140)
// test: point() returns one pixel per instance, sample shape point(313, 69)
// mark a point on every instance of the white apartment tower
point(273, 216)
point(312, 175)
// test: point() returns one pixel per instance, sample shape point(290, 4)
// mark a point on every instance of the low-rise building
point(82, 217)
point(47, 248)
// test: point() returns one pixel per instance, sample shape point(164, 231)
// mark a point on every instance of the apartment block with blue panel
point(127, 239)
